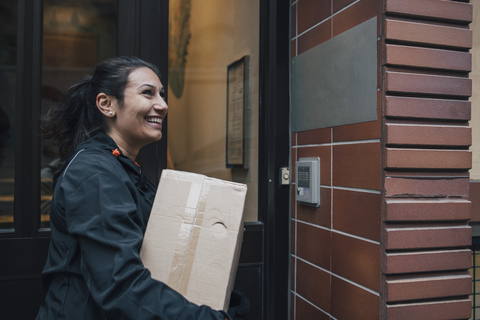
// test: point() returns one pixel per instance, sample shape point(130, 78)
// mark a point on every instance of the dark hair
point(76, 118)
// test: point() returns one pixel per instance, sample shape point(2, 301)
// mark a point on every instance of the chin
point(155, 139)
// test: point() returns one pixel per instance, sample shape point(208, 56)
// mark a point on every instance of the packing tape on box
point(182, 263)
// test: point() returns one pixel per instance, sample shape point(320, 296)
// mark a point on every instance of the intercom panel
point(307, 178)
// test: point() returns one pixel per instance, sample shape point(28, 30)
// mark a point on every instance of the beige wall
point(475, 98)
point(222, 32)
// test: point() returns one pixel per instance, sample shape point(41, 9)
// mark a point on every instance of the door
point(229, 119)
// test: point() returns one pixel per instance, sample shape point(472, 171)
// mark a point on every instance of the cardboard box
point(194, 236)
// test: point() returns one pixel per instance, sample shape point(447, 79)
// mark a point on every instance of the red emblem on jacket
point(116, 153)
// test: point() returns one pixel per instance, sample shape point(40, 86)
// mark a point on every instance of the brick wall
point(336, 252)
point(426, 159)
point(390, 238)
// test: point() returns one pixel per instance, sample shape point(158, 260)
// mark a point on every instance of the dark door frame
point(274, 153)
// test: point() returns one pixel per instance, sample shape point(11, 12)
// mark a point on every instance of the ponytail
point(76, 118)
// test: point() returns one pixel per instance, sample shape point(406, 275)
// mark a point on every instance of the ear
point(106, 104)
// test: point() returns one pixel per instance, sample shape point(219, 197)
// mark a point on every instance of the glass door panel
point(8, 69)
point(77, 35)
point(204, 40)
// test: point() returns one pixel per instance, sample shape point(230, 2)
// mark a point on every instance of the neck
point(125, 147)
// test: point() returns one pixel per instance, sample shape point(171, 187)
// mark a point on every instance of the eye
point(147, 92)
point(162, 94)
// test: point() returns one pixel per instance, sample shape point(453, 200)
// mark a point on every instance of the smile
point(153, 119)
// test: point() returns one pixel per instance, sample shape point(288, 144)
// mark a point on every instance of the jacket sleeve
point(100, 212)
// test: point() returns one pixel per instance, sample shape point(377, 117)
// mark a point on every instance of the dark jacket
point(99, 213)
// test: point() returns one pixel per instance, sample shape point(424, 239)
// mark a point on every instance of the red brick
point(427, 261)
point(314, 285)
point(451, 309)
point(311, 12)
point(420, 238)
point(306, 311)
point(428, 159)
point(356, 14)
point(293, 242)
point(428, 287)
point(475, 199)
point(427, 210)
point(357, 165)
point(428, 135)
point(406, 56)
point(422, 33)
point(357, 260)
point(357, 213)
point(293, 23)
point(428, 84)
point(428, 108)
point(362, 304)
point(340, 4)
point(426, 187)
point(292, 305)
point(292, 169)
point(317, 136)
point(308, 238)
point(315, 36)
point(438, 9)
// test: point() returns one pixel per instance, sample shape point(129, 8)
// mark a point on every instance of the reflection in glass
point(203, 42)
point(77, 35)
point(8, 64)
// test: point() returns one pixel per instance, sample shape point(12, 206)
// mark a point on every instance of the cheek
point(134, 116)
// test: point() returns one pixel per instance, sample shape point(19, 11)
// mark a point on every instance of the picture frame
point(238, 84)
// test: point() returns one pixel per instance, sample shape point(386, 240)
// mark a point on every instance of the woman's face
point(138, 121)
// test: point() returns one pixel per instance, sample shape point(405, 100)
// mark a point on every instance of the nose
point(160, 105)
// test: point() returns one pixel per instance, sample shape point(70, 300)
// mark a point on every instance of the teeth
point(153, 119)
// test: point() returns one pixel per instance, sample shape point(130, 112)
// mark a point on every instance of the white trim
point(337, 143)
point(329, 17)
point(340, 277)
point(317, 307)
point(336, 231)
point(71, 162)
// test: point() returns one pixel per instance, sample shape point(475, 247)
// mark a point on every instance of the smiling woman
point(138, 120)
point(102, 200)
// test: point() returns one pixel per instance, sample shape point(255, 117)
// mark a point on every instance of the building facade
point(391, 238)
point(399, 192)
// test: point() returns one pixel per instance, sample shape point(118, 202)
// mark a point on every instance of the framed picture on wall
point(237, 100)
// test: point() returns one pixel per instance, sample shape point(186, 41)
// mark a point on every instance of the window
point(77, 35)
point(203, 42)
point(8, 70)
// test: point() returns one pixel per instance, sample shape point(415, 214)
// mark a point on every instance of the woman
point(102, 200)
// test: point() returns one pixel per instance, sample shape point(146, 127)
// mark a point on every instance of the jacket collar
point(104, 142)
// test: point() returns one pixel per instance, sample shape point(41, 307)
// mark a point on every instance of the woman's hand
point(239, 307)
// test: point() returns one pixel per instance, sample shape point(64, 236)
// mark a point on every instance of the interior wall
point(335, 249)
point(221, 33)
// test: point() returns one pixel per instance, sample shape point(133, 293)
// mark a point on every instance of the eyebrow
point(151, 86)
point(146, 84)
